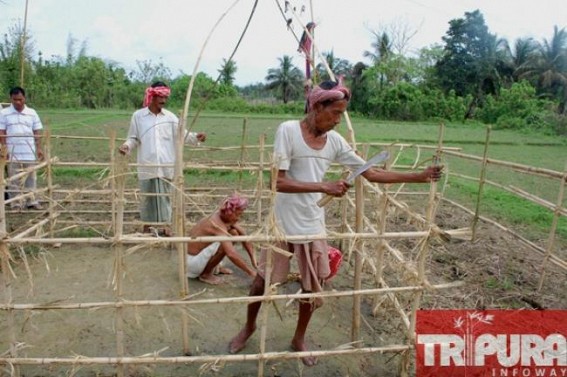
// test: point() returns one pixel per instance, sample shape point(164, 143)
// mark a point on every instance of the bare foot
point(300, 346)
point(239, 341)
point(225, 271)
point(210, 279)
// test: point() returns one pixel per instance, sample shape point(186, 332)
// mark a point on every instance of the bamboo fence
point(81, 205)
point(102, 209)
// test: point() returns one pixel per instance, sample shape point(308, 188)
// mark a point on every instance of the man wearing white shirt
point(20, 135)
point(153, 131)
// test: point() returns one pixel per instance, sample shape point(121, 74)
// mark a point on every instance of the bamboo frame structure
point(120, 239)
point(121, 194)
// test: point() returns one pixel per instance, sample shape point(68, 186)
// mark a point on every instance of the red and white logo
point(491, 343)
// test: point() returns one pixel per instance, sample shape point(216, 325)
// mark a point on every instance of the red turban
point(336, 93)
point(234, 203)
point(160, 91)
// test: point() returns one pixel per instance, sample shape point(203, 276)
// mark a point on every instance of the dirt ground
point(497, 270)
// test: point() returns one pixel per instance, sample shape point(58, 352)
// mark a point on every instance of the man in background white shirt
point(153, 131)
point(20, 134)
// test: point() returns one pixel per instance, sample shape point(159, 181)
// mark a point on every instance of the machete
point(379, 157)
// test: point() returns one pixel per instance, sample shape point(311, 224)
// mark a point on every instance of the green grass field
point(226, 130)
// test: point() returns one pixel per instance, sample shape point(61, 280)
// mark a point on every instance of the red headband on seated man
point(234, 203)
point(160, 91)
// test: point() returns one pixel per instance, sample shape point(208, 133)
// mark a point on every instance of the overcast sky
point(174, 31)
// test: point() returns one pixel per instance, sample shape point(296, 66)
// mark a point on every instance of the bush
point(516, 108)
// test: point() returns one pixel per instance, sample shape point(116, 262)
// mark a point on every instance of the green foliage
point(473, 76)
point(241, 106)
point(401, 101)
point(516, 108)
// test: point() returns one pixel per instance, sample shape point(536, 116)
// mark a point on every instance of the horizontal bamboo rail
point(209, 239)
point(225, 300)
point(515, 166)
point(519, 192)
point(553, 258)
point(135, 360)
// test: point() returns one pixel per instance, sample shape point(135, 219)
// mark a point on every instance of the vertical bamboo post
point(267, 279)
point(49, 178)
point(113, 172)
point(552, 231)
point(6, 269)
point(382, 208)
point(260, 185)
point(23, 46)
point(343, 208)
point(359, 225)
point(119, 178)
point(481, 182)
point(422, 256)
point(179, 226)
point(242, 153)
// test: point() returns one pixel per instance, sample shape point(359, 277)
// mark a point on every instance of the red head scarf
point(234, 203)
point(335, 93)
point(160, 91)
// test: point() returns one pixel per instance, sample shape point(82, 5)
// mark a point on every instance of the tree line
point(473, 75)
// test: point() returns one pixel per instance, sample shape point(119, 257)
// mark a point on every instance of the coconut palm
point(381, 48)
point(549, 69)
point(227, 71)
point(339, 67)
point(522, 56)
point(287, 79)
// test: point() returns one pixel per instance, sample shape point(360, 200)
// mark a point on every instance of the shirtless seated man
point(203, 258)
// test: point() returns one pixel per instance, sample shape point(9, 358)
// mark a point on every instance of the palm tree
point(227, 71)
point(339, 67)
point(549, 70)
point(522, 56)
point(382, 48)
point(287, 79)
point(552, 67)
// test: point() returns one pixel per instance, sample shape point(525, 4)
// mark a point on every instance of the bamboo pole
point(139, 360)
point(242, 152)
point(49, 177)
point(422, 255)
point(553, 258)
point(260, 184)
point(481, 183)
point(7, 277)
point(33, 228)
point(553, 229)
point(517, 191)
point(513, 165)
point(252, 238)
point(359, 225)
point(23, 42)
point(226, 300)
point(3, 227)
point(113, 172)
point(382, 244)
point(118, 200)
point(179, 173)
point(267, 274)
